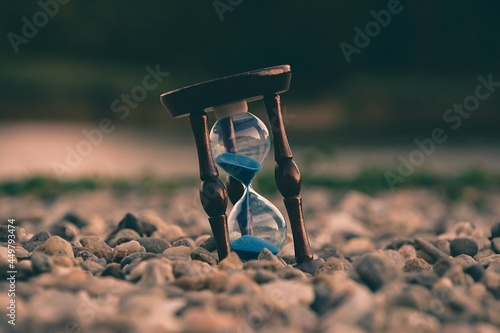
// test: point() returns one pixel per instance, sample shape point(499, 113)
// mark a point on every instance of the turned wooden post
point(288, 181)
point(213, 194)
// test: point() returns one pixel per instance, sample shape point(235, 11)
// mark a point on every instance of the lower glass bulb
point(254, 224)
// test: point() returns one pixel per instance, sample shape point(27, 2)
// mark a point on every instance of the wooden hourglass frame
point(193, 102)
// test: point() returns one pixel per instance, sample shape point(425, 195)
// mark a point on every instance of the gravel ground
point(404, 261)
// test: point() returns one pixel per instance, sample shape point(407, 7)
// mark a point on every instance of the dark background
point(426, 59)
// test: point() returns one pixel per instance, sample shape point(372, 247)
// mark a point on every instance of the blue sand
point(241, 167)
point(244, 169)
point(249, 244)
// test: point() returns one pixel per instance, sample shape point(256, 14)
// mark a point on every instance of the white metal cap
point(227, 110)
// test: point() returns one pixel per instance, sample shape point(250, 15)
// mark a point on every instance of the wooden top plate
point(248, 86)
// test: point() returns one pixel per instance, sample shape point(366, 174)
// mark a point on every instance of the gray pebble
point(495, 245)
point(75, 220)
point(129, 221)
point(495, 230)
point(128, 259)
point(38, 239)
point(192, 268)
point(202, 254)
point(113, 270)
point(375, 270)
point(65, 230)
point(460, 246)
point(185, 242)
point(86, 254)
point(475, 271)
point(209, 244)
point(41, 262)
point(265, 254)
point(153, 245)
point(264, 276)
point(122, 236)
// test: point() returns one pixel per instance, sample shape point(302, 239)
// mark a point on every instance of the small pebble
point(170, 233)
point(202, 254)
point(153, 245)
point(92, 266)
point(265, 254)
point(178, 251)
point(290, 273)
point(407, 252)
point(231, 262)
point(38, 239)
point(209, 244)
point(188, 242)
point(87, 255)
point(466, 246)
point(357, 246)
point(264, 276)
point(475, 271)
point(113, 270)
point(122, 236)
point(332, 265)
point(375, 270)
point(131, 257)
point(75, 220)
point(65, 230)
point(56, 246)
point(495, 230)
point(131, 247)
point(129, 221)
point(416, 265)
point(464, 261)
point(97, 246)
point(41, 262)
point(495, 245)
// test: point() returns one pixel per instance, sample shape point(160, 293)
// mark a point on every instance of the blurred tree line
point(429, 55)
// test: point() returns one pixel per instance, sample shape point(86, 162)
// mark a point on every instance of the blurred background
point(344, 116)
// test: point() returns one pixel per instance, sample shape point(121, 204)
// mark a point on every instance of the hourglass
point(239, 143)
